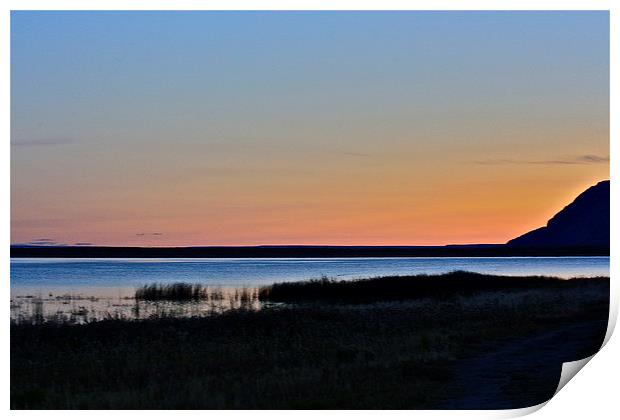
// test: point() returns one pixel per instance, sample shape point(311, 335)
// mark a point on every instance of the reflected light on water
point(78, 309)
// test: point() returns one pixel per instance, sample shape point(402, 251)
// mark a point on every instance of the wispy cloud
point(42, 242)
point(576, 160)
point(49, 242)
point(356, 154)
point(593, 159)
point(149, 234)
point(40, 142)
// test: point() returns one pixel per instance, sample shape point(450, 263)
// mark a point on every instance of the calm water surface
point(83, 289)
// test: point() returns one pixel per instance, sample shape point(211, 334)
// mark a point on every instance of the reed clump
point(173, 291)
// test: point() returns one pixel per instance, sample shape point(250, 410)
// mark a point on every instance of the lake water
point(77, 290)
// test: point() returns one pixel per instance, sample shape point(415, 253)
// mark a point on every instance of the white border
point(593, 394)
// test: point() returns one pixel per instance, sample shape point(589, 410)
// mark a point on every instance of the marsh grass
point(151, 301)
point(174, 291)
point(399, 288)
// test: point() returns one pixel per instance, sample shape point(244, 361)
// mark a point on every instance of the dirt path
point(523, 372)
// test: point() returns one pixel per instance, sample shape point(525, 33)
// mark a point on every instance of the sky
point(340, 128)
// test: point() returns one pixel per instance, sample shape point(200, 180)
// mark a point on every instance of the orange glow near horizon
point(372, 214)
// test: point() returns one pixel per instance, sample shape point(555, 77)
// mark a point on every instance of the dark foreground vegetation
point(396, 353)
point(398, 288)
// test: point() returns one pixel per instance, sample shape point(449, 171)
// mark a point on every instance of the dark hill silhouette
point(584, 223)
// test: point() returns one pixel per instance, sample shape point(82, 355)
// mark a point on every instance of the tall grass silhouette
point(174, 291)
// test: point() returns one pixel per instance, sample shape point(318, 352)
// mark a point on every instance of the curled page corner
point(520, 412)
point(569, 370)
point(613, 317)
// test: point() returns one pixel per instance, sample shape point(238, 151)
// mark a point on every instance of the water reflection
point(78, 309)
